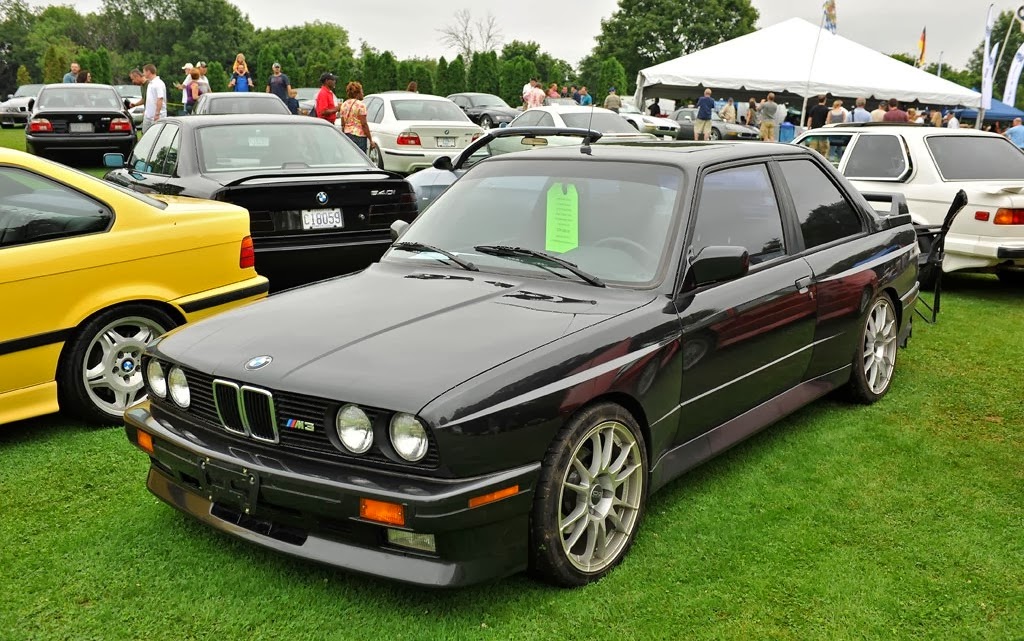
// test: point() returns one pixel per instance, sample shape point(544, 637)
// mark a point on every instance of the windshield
point(976, 157)
point(606, 123)
point(276, 146)
point(487, 100)
point(612, 219)
point(27, 91)
point(94, 97)
point(306, 93)
point(441, 110)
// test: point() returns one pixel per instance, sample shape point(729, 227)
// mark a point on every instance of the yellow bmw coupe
point(91, 272)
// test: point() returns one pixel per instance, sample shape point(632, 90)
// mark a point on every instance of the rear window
point(444, 110)
point(606, 123)
point(270, 104)
point(97, 97)
point(976, 158)
point(285, 146)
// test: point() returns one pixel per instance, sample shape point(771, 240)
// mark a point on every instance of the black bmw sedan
point(485, 109)
point(78, 117)
point(318, 207)
point(562, 333)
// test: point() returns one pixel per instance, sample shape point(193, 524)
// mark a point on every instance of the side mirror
point(444, 163)
point(399, 226)
point(715, 264)
point(114, 161)
point(127, 104)
point(503, 125)
point(31, 104)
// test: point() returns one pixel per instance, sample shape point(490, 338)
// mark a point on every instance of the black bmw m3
point(562, 333)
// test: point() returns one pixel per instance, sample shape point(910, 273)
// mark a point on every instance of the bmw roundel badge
point(258, 362)
point(322, 197)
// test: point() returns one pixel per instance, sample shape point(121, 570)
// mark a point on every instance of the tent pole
point(810, 70)
point(803, 113)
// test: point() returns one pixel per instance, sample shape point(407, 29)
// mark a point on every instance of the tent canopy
point(999, 111)
point(797, 58)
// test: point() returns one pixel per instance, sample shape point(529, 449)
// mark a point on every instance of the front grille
point(273, 415)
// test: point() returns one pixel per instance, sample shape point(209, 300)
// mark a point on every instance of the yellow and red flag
point(920, 48)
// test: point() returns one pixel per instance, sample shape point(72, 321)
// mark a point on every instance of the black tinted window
point(140, 154)
point(164, 158)
point(34, 209)
point(876, 156)
point(738, 208)
point(825, 215)
point(608, 123)
point(976, 157)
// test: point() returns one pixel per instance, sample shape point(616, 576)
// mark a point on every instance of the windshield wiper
point(514, 252)
point(420, 247)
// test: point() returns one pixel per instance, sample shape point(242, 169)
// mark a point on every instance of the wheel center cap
point(128, 366)
point(596, 495)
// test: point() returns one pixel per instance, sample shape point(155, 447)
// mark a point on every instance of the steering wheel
point(635, 250)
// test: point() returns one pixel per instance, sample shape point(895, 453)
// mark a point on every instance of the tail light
point(409, 138)
point(37, 125)
point(247, 255)
point(475, 136)
point(407, 197)
point(121, 124)
point(1009, 217)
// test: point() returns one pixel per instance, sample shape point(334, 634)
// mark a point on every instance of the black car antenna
point(585, 148)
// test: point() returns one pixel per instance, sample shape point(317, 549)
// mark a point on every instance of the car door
point(137, 172)
point(42, 258)
point(685, 119)
point(746, 340)
point(163, 161)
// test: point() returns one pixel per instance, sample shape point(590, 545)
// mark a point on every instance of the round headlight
point(178, 387)
point(157, 382)
point(409, 437)
point(354, 429)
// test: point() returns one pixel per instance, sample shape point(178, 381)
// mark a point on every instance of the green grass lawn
point(902, 520)
point(91, 164)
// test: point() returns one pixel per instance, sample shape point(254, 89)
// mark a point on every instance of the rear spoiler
point(899, 212)
point(313, 175)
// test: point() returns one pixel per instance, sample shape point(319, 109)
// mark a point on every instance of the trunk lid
point(438, 134)
point(80, 121)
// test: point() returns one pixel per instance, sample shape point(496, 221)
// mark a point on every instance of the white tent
point(797, 58)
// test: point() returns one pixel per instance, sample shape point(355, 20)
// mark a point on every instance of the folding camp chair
point(929, 263)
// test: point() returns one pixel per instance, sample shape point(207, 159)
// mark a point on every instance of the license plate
point(229, 485)
point(322, 218)
point(445, 142)
point(259, 141)
point(81, 128)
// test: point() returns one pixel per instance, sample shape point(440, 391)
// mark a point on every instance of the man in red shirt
point(895, 114)
point(326, 101)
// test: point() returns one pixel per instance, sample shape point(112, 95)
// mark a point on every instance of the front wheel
point(486, 122)
point(715, 134)
point(874, 362)
point(590, 498)
point(101, 374)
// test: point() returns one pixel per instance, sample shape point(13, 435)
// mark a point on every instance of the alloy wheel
point(486, 123)
point(600, 497)
point(112, 366)
point(880, 335)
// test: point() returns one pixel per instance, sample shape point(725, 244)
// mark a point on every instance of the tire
point(112, 367)
point(376, 157)
point(567, 497)
point(874, 359)
point(486, 123)
point(1013, 278)
point(715, 134)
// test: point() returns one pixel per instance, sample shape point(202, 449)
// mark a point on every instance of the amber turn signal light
point(382, 512)
point(145, 441)
point(484, 499)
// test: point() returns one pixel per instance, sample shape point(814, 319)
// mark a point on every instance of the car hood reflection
point(393, 336)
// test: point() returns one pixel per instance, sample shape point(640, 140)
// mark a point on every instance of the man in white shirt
point(156, 98)
point(183, 85)
point(951, 121)
point(204, 84)
point(527, 91)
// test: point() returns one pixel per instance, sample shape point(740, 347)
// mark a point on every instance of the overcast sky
point(567, 29)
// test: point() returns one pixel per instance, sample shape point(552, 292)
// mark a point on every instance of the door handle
point(803, 284)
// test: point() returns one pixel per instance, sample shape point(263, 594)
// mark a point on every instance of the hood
point(394, 336)
point(660, 122)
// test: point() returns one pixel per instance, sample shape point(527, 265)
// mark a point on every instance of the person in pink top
point(353, 116)
point(535, 97)
point(553, 91)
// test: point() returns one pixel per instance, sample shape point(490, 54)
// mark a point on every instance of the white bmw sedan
point(410, 130)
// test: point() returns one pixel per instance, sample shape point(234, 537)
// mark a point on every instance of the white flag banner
point(989, 61)
point(1013, 77)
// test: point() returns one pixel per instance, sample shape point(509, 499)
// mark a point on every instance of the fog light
point(412, 540)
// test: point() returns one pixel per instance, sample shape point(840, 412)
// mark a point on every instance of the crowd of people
point(886, 111)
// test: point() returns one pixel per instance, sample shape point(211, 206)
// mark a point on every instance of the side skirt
point(694, 452)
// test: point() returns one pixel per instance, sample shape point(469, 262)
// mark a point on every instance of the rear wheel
point(1009, 277)
point(375, 156)
point(590, 498)
point(486, 122)
point(874, 361)
point(715, 134)
point(101, 374)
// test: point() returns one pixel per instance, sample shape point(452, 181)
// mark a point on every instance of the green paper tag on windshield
point(563, 219)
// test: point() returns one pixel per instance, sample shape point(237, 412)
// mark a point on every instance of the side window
point(738, 208)
point(164, 158)
point(833, 148)
point(461, 101)
point(825, 214)
point(140, 154)
point(528, 119)
point(34, 209)
point(546, 120)
point(877, 156)
point(375, 110)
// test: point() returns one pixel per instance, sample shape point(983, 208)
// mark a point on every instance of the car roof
point(388, 95)
point(195, 121)
point(686, 155)
point(569, 109)
point(244, 95)
point(911, 129)
point(74, 86)
point(472, 93)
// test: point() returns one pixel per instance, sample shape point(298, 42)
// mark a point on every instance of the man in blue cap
point(612, 101)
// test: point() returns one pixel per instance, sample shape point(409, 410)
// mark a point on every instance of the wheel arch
point(631, 405)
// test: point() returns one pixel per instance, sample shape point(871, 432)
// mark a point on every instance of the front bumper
point(310, 509)
point(14, 117)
